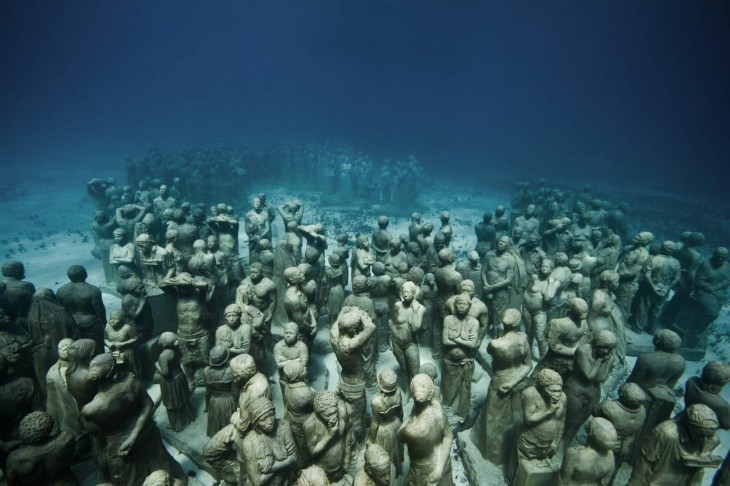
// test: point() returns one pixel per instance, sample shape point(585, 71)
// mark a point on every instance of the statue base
point(535, 473)
point(477, 469)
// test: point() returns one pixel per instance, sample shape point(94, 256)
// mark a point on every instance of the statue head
point(362, 242)
point(715, 375)
point(350, 320)
point(609, 279)
point(243, 367)
point(422, 388)
point(387, 381)
point(256, 271)
point(604, 341)
point(631, 395)
point(294, 372)
point(383, 221)
point(546, 267)
point(695, 239)
point(467, 287)
point(81, 351)
point(218, 356)
point(291, 333)
point(102, 367)
point(602, 434)
point(378, 269)
point(360, 284)
point(666, 340)
point(62, 348)
point(549, 384)
point(232, 314)
point(264, 244)
point(473, 258)
point(36, 428)
point(439, 241)
point(343, 239)
point(378, 464)
point(511, 319)
point(416, 217)
point(503, 243)
point(262, 415)
point(334, 260)
point(159, 477)
point(326, 407)
point(167, 340)
point(429, 369)
point(212, 243)
point(668, 248)
point(293, 275)
point(644, 238)
point(312, 476)
point(408, 291)
point(462, 304)
point(13, 269)
point(719, 256)
point(578, 308)
point(701, 422)
point(487, 217)
point(444, 217)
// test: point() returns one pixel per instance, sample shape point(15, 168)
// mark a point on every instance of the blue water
point(627, 92)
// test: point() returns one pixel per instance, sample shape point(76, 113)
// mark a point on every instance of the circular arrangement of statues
point(528, 352)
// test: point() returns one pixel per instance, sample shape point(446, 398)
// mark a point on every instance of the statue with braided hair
point(328, 438)
point(121, 416)
point(543, 407)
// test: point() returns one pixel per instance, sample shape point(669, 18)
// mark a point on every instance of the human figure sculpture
point(290, 349)
point(292, 211)
point(408, 315)
point(532, 254)
point(661, 273)
point(594, 462)
point(60, 404)
point(617, 220)
point(486, 235)
point(387, 406)
point(689, 259)
point(298, 403)
point(460, 336)
point(677, 451)
point(268, 450)
point(378, 469)
point(557, 237)
point(381, 287)
point(501, 221)
point(234, 335)
point(497, 278)
point(415, 227)
point(537, 297)
point(223, 451)
point(663, 366)
point(18, 293)
point(604, 314)
point(191, 294)
point(219, 401)
point(627, 414)
point(163, 201)
point(202, 264)
point(328, 437)
point(706, 389)
point(446, 228)
point(564, 336)
point(297, 305)
point(134, 302)
point(478, 309)
point(174, 388)
point(360, 298)
point(266, 258)
point(381, 239)
point(362, 257)
point(427, 436)
point(395, 257)
point(471, 269)
point(712, 280)
point(83, 301)
point(102, 230)
point(258, 226)
point(128, 216)
point(448, 284)
point(528, 222)
point(312, 476)
point(248, 382)
point(121, 415)
point(591, 364)
point(544, 406)
point(44, 456)
point(348, 336)
point(501, 415)
point(122, 341)
point(335, 279)
point(630, 265)
point(153, 262)
point(121, 252)
point(431, 260)
point(48, 324)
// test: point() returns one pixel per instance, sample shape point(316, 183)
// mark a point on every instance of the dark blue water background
point(632, 93)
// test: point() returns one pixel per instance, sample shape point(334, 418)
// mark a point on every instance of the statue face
point(546, 268)
point(461, 306)
point(232, 319)
point(256, 204)
point(212, 243)
point(115, 321)
point(330, 417)
point(255, 274)
point(291, 335)
point(554, 393)
point(422, 393)
point(266, 422)
point(163, 191)
point(502, 244)
point(407, 294)
point(119, 238)
point(530, 210)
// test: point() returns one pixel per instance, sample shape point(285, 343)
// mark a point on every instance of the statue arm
point(566, 470)
point(99, 309)
point(368, 330)
point(374, 422)
point(271, 308)
point(534, 414)
point(418, 316)
point(445, 450)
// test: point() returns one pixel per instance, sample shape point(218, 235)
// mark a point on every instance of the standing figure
point(427, 436)
point(497, 277)
point(594, 462)
point(18, 293)
point(502, 412)
point(486, 235)
point(48, 324)
point(537, 296)
point(268, 451)
point(629, 267)
point(627, 414)
point(121, 252)
point(663, 366)
point(219, 401)
point(387, 406)
point(121, 415)
point(460, 335)
point(60, 404)
point(348, 336)
point(661, 274)
point(543, 407)
point(707, 389)
point(678, 451)
point(328, 437)
point(448, 284)
point(297, 305)
point(248, 382)
point(335, 277)
point(102, 230)
point(234, 335)
point(381, 239)
point(121, 340)
point(290, 349)
point(408, 316)
point(298, 403)
point(564, 336)
point(592, 363)
point(173, 384)
point(257, 227)
point(604, 314)
point(362, 257)
point(83, 301)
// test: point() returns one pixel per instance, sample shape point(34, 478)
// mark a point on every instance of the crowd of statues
point(220, 171)
point(541, 305)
